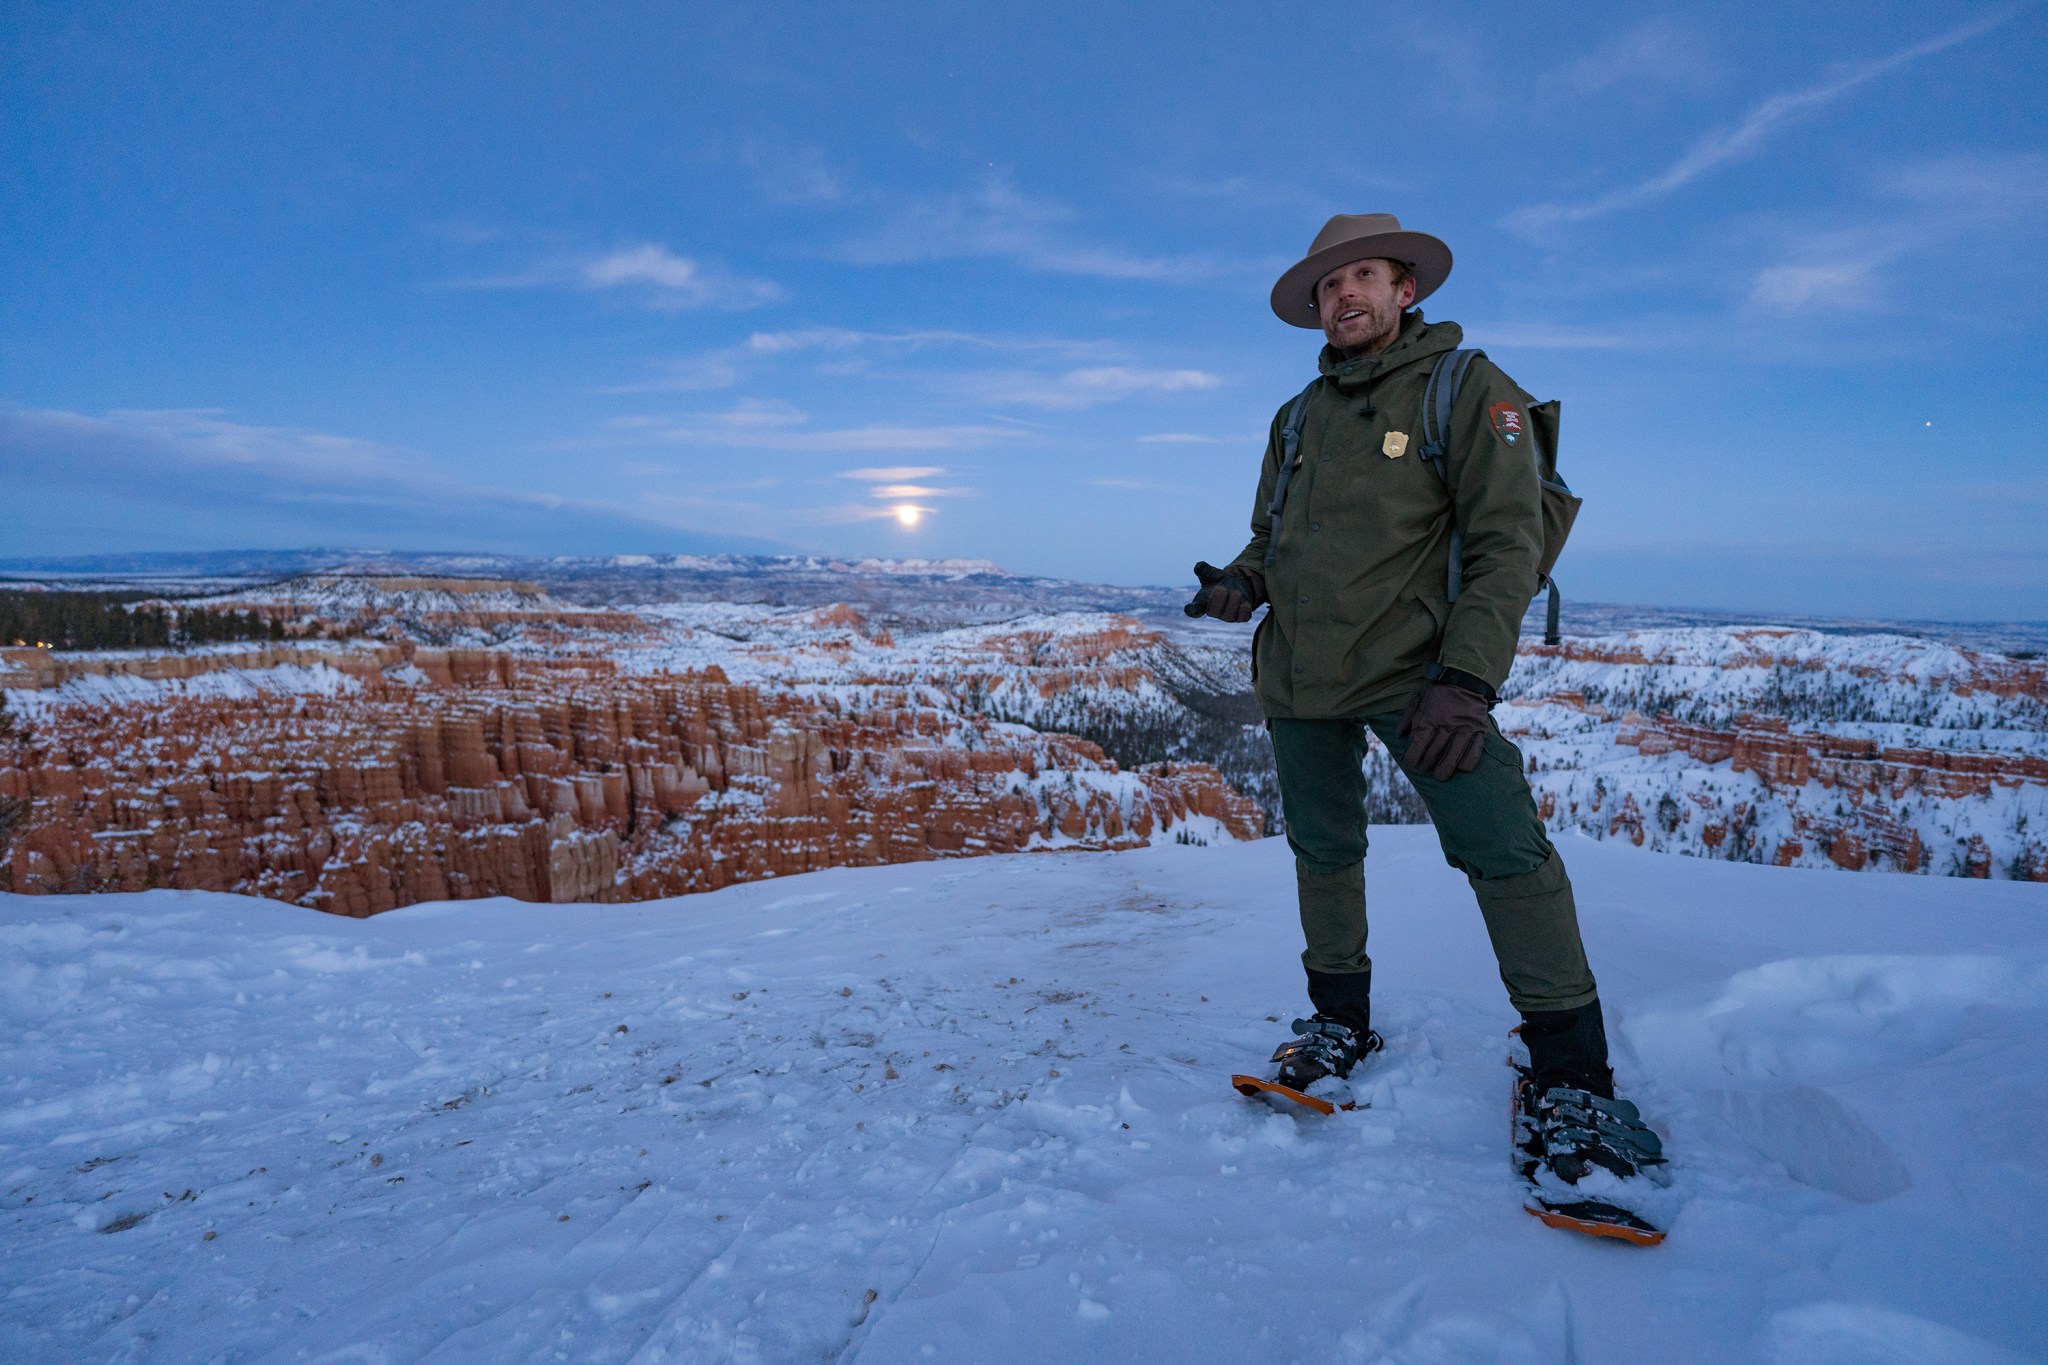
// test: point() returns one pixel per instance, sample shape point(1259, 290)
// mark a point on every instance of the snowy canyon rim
point(637, 726)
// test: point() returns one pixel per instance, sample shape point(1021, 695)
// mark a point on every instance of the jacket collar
point(1419, 340)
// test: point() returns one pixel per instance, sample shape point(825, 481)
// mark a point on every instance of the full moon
point(908, 515)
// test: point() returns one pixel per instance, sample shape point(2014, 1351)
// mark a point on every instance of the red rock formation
point(1849, 850)
point(1782, 759)
point(1629, 820)
point(1763, 647)
point(551, 780)
point(1867, 774)
point(2031, 864)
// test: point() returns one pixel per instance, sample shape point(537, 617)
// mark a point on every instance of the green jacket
point(1360, 575)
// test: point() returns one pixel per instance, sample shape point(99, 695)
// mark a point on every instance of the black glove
point(1446, 726)
point(1227, 594)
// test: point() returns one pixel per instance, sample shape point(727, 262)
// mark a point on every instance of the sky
point(680, 277)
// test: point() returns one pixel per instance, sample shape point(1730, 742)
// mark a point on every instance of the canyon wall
point(425, 774)
point(1792, 748)
point(474, 738)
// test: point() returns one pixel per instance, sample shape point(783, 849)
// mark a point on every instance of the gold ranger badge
point(1396, 445)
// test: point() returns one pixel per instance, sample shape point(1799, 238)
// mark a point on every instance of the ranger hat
point(1356, 237)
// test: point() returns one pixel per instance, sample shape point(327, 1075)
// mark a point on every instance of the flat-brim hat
point(1356, 237)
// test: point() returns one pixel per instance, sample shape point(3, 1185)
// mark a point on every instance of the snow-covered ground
point(101, 690)
point(977, 1111)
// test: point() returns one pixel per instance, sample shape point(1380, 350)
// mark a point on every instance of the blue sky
point(653, 277)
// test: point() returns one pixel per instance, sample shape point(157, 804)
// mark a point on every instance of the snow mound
point(979, 1111)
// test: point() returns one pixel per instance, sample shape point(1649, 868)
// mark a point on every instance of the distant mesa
point(459, 565)
point(400, 583)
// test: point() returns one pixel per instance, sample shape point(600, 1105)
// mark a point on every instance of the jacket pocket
point(1436, 612)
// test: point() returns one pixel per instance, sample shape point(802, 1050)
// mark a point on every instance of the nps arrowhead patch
point(1507, 421)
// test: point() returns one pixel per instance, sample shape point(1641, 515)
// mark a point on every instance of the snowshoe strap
point(1332, 1047)
point(1326, 1040)
point(1610, 1133)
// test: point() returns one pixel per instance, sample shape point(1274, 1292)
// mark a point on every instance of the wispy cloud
point(755, 424)
point(853, 513)
point(726, 366)
point(840, 350)
point(996, 219)
point(1073, 390)
point(892, 483)
point(289, 481)
point(903, 488)
point(1927, 211)
point(1659, 56)
point(1337, 187)
point(1547, 336)
point(894, 473)
point(896, 492)
point(992, 217)
point(759, 414)
point(1747, 136)
point(657, 276)
point(195, 438)
point(791, 173)
point(1250, 441)
point(1972, 188)
point(1842, 284)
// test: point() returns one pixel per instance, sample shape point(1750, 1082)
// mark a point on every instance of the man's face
point(1360, 305)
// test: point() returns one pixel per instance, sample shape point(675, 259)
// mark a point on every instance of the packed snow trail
point(978, 1111)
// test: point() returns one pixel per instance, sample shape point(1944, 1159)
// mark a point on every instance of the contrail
point(1744, 137)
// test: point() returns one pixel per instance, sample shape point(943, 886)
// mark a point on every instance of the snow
point(123, 689)
point(977, 1111)
point(399, 595)
point(1710, 675)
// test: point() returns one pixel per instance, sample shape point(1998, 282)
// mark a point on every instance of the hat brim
point(1294, 297)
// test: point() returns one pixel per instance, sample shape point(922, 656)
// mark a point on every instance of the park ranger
point(1351, 555)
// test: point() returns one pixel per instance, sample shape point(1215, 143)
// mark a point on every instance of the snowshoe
point(1313, 1067)
point(1579, 1154)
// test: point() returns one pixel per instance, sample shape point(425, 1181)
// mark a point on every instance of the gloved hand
point(1227, 594)
point(1446, 727)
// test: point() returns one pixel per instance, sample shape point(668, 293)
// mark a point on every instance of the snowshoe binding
point(1313, 1068)
point(1580, 1154)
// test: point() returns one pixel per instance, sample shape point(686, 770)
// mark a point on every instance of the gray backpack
point(1560, 504)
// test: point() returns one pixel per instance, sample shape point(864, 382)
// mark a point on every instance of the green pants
point(1486, 820)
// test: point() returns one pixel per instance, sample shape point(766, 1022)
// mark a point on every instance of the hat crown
point(1349, 227)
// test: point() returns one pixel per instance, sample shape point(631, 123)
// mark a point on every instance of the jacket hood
point(1419, 340)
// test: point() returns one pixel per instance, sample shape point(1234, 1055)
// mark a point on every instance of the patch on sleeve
point(1507, 421)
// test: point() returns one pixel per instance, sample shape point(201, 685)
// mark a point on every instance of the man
point(1352, 562)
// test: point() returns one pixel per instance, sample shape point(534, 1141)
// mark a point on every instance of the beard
point(1377, 323)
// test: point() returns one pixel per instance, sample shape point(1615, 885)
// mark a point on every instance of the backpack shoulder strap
point(1439, 396)
point(1290, 450)
point(1290, 441)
